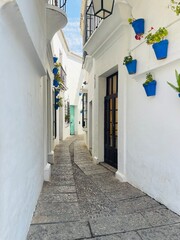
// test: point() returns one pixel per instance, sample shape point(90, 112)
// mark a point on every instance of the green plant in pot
point(58, 78)
point(150, 85)
point(175, 7)
point(176, 88)
point(130, 64)
point(158, 41)
point(60, 102)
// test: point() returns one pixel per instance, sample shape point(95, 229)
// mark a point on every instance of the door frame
point(111, 144)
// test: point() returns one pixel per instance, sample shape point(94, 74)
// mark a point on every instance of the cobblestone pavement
point(85, 201)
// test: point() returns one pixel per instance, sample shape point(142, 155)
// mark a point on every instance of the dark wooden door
point(111, 121)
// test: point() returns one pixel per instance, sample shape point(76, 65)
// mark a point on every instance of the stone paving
point(85, 201)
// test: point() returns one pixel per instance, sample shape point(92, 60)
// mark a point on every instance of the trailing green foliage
point(149, 78)
point(57, 65)
point(127, 59)
point(131, 20)
point(60, 102)
point(176, 88)
point(158, 36)
point(175, 7)
point(58, 78)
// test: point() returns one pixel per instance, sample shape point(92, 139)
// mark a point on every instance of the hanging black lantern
point(103, 8)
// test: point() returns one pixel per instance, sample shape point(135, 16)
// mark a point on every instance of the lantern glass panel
point(97, 5)
point(108, 5)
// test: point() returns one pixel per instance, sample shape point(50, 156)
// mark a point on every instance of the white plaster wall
point(37, 27)
point(148, 152)
point(152, 123)
point(21, 127)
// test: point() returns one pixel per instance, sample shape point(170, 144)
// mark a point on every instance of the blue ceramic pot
point(55, 83)
point(161, 49)
point(55, 71)
point(131, 66)
point(55, 59)
point(179, 95)
point(56, 106)
point(57, 92)
point(150, 88)
point(138, 26)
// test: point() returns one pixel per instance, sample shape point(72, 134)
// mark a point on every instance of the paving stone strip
point(86, 201)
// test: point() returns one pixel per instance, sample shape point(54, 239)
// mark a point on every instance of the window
point(84, 110)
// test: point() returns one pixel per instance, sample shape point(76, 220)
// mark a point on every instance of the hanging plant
point(175, 7)
point(55, 83)
point(150, 85)
point(138, 26)
point(159, 44)
point(55, 59)
point(59, 101)
point(176, 88)
point(130, 63)
point(57, 91)
point(56, 68)
point(58, 78)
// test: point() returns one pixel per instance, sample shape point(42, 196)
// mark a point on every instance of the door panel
point(72, 127)
point(111, 121)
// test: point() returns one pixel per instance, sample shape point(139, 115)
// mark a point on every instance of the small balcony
point(56, 17)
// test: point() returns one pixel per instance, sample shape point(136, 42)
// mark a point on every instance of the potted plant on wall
point(56, 68)
point(159, 44)
point(176, 88)
point(58, 102)
point(57, 91)
point(150, 85)
point(55, 59)
point(137, 24)
point(130, 63)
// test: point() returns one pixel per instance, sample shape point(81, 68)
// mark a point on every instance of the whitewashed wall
point(148, 150)
point(37, 27)
point(153, 123)
point(21, 121)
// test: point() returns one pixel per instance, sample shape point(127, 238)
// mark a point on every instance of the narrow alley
point(86, 201)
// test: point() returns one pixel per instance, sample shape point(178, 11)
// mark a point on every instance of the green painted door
point(72, 130)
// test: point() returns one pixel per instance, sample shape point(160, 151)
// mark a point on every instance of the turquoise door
point(72, 130)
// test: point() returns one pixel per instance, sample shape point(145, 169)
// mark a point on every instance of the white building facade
point(128, 130)
point(26, 121)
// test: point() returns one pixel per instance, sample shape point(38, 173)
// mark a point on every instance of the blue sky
point(72, 30)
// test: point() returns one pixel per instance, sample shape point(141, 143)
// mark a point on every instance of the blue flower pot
point(55, 83)
point(56, 106)
point(55, 71)
point(55, 59)
point(179, 95)
point(150, 88)
point(56, 100)
point(131, 66)
point(161, 49)
point(57, 92)
point(138, 26)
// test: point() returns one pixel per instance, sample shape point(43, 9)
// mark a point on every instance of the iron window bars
point(92, 22)
point(58, 3)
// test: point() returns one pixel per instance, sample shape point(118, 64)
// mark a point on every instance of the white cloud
point(73, 36)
